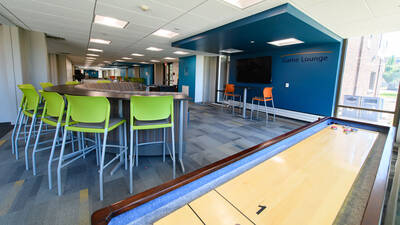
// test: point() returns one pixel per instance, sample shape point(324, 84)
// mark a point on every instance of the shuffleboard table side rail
point(374, 210)
point(104, 215)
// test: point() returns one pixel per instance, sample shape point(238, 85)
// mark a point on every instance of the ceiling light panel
point(169, 58)
point(153, 60)
point(109, 21)
point(231, 50)
point(243, 3)
point(284, 42)
point(100, 41)
point(127, 58)
point(181, 53)
point(154, 49)
point(137, 54)
point(94, 55)
point(165, 33)
point(94, 50)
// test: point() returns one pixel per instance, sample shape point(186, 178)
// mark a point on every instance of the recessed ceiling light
point(120, 60)
point(165, 33)
point(137, 54)
point(243, 3)
point(154, 49)
point(231, 50)
point(144, 8)
point(90, 58)
point(107, 61)
point(284, 42)
point(181, 53)
point(100, 41)
point(169, 58)
point(153, 60)
point(144, 62)
point(136, 65)
point(95, 55)
point(127, 58)
point(94, 50)
point(109, 21)
point(252, 42)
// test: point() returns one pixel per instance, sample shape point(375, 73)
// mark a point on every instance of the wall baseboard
point(283, 112)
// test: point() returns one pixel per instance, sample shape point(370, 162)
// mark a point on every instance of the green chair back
point(72, 82)
point(32, 99)
point(88, 109)
point(54, 104)
point(150, 108)
point(103, 81)
point(23, 95)
point(45, 85)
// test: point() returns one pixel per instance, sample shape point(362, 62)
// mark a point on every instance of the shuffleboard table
point(331, 171)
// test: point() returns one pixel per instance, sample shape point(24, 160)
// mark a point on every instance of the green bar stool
point(30, 110)
point(72, 82)
point(92, 115)
point(103, 81)
point(151, 112)
point(53, 115)
point(18, 120)
point(46, 85)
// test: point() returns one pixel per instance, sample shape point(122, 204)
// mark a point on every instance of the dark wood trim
point(372, 213)
point(104, 215)
point(366, 109)
point(374, 209)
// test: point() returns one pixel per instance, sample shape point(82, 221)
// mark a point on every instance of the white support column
point(199, 80)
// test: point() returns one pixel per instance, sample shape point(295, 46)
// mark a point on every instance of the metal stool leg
point(137, 148)
point(103, 154)
point(27, 142)
point(266, 112)
point(251, 112)
point(60, 161)
point(52, 155)
point(131, 162)
point(258, 109)
point(17, 136)
point(173, 150)
point(35, 147)
point(15, 130)
point(164, 143)
point(273, 106)
point(126, 147)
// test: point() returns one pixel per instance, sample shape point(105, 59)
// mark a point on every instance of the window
point(370, 78)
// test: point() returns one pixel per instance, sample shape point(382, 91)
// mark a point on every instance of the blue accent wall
point(92, 73)
point(312, 84)
point(131, 72)
point(147, 69)
point(187, 74)
point(122, 72)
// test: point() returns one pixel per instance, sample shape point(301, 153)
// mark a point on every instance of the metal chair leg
point(35, 147)
point(258, 109)
point(53, 147)
point(273, 106)
point(14, 130)
point(137, 147)
point(60, 163)
point(17, 136)
point(266, 112)
point(164, 143)
point(96, 139)
point(251, 112)
point(126, 147)
point(27, 142)
point(173, 150)
point(131, 162)
point(103, 154)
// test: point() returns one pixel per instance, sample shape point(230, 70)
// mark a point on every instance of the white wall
point(70, 69)
point(23, 59)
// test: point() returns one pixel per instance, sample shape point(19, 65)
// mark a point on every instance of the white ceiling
point(71, 19)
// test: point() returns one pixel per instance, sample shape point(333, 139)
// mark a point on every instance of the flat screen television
point(254, 70)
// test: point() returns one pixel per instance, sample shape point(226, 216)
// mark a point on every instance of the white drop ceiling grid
point(71, 19)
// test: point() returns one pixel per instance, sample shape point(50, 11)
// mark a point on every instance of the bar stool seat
point(113, 123)
point(149, 123)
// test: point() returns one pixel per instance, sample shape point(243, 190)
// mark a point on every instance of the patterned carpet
point(212, 135)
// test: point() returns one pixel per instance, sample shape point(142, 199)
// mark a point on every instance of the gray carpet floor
point(213, 134)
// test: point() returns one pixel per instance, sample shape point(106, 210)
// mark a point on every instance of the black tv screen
point(254, 70)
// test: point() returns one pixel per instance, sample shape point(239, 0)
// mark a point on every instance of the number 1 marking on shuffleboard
point(262, 207)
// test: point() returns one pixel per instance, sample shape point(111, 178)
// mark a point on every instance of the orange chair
point(230, 92)
point(267, 97)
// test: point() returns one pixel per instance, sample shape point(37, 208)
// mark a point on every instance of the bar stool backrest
point(151, 108)
point(23, 95)
point(45, 85)
point(32, 99)
point(54, 105)
point(229, 88)
point(103, 81)
point(267, 92)
point(88, 109)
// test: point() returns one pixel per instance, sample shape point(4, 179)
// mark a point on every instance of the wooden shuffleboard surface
point(305, 184)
